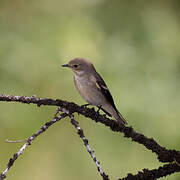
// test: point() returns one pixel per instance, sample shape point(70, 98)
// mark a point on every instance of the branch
point(153, 174)
point(164, 155)
point(91, 152)
point(29, 141)
point(44, 128)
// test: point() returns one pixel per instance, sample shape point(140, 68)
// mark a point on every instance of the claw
point(84, 105)
point(99, 107)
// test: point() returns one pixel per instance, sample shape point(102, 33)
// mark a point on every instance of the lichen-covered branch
point(163, 154)
point(91, 152)
point(28, 142)
point(154, 174)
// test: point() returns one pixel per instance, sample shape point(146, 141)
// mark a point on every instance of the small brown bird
point(92, 87)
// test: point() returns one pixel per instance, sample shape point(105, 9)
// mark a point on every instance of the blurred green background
point(135, 46)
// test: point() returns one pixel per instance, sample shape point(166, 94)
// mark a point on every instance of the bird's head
point(79, 66)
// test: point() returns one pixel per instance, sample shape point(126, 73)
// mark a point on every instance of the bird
point(93, 88)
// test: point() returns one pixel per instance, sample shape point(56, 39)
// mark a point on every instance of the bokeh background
point(135, 45)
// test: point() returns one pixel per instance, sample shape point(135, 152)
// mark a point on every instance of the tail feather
point(121, 119)
point(111, 111)
point(118, 116)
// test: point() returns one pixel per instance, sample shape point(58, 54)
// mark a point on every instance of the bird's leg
point(97, 112)
point(99, 108)
point(84, 105)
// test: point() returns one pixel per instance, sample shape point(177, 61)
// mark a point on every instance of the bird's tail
point(112, 111)
point(120, 118)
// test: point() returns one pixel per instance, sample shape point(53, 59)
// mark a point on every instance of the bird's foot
point(99, 108)
point(85, 105)
point(97, 112)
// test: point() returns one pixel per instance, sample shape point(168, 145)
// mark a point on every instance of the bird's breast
point(88, 90)
point(83, 85)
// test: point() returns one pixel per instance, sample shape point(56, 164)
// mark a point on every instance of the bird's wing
point(104, 89)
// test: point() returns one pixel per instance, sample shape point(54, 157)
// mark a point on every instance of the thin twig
point(84, 139)
point(17, 141)
point(91, 152)
point(29, 141)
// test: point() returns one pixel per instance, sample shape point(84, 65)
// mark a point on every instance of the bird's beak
point(65, 65)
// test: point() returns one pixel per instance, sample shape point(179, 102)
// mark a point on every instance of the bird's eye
point(75, 65)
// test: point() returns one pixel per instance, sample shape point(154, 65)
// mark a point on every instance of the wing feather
point(104, 89)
